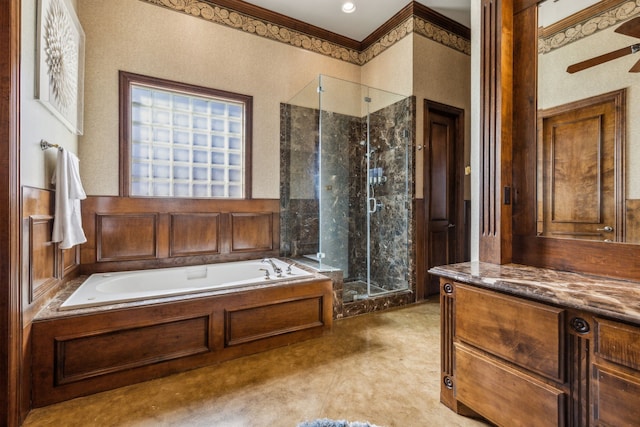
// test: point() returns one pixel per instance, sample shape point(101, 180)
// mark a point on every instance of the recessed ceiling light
point(348, 7)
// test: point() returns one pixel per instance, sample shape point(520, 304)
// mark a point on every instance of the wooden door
point(443, 163)
point(580, 181)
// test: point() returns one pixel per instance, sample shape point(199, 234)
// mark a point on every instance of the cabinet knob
point(448, 382)
point(448, 288)
point(580, 325)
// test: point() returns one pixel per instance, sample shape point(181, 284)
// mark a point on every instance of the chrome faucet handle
point(266, 273)
point(289, 269)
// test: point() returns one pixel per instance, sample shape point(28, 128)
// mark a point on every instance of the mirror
point(588, 129)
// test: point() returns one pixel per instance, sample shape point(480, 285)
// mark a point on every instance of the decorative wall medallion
point(61, 62)
point(240, 21)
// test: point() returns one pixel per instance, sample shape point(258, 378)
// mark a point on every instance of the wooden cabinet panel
point(500, 393)
point(523, 332)
point(616, 398)
point(618, 343)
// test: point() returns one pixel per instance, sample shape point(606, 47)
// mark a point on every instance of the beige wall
point(429, 70)
point(36, 121)
point(443, 75)
point(142, 38)
point(557, 87)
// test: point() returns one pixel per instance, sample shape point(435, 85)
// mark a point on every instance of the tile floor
point(381, 367)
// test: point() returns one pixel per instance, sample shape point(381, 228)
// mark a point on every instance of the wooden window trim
point(125, 81)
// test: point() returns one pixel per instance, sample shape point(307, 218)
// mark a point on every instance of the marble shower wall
point(342, 184)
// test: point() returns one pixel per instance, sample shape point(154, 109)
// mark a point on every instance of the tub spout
point(276, 269)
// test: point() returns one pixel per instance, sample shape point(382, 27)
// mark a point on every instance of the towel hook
point(44, 145)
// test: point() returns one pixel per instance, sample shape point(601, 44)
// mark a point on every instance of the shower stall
point(346, 169)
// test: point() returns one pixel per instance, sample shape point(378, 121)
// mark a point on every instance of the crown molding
point(591, 20)
point(256, 20)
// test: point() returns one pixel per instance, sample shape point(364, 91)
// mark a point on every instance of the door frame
point(11, 357)
point(423, 289)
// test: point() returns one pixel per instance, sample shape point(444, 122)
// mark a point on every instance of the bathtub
point(112, 288)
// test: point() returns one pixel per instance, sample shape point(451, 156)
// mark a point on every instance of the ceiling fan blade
point(601, 59)
point(635, 68)
point(630, 28)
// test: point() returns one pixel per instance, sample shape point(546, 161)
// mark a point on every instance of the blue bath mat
point(325, 422)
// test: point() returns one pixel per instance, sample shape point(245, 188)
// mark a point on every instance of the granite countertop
point(613, 298)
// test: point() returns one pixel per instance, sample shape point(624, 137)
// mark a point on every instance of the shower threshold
point(357, 290)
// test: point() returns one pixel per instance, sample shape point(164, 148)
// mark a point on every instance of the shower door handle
point(373, 205)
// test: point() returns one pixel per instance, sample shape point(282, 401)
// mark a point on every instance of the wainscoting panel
point(43, 271)
point(127, 236)
point(76, 358)
point(251, 232)
point(44, 266)
point(76, 354)
point(70, 260)
point(632, 221)
point(128, 233)
point(194, 234)
point(266, 320)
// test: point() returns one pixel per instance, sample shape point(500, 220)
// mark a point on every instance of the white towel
point(67, 223)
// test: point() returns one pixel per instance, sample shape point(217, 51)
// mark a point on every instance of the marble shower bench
point(539, 347)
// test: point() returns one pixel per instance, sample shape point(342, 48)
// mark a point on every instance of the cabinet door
point(523, 332)
point(616, 375)
point(506, 396)
point(616, 398)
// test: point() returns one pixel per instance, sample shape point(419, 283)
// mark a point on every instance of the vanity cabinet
point(616, 374)
point(518, 361)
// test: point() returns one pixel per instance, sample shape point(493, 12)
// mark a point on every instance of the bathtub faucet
point(276, 269)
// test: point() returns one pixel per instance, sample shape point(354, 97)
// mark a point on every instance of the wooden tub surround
point(84, 351)
point(525, 346)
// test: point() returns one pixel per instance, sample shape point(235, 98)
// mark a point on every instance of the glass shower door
point(389, 128)
point(364, 189)
point(346, 184)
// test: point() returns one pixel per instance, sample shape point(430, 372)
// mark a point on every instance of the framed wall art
point(60, 80)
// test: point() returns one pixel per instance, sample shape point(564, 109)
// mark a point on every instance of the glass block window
point(185, 141)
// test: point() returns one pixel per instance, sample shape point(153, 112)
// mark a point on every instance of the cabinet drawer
point(523, 332)
point(504, 395)
point(616, 398)
point(618, 343)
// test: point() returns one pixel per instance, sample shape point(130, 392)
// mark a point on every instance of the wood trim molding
point(285, 21)
point(14, 391)
point(126, 80)
point(588, 257)
point(495, 140)
point(600, 16)
point(258, 21)
point(579, 17)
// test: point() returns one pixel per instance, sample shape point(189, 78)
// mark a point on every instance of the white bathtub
point(111, 288)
